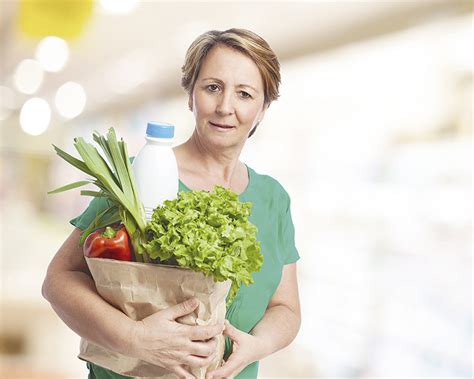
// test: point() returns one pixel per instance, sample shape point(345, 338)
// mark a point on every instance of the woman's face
point(227, 98)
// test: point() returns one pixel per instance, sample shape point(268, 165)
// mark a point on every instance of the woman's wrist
point(262, 348)
point(126, 340)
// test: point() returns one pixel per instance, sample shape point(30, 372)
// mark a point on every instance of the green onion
point(115, 179)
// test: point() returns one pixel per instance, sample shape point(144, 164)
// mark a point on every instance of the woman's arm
point(278, 327)
point(158, 339)
point(283, 315)
point(70, 289)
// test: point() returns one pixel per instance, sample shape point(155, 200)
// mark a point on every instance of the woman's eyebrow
point(240, 85)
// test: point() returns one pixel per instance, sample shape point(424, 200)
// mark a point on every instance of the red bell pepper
point(109, 243)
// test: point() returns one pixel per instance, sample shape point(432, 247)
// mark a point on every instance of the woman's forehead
point(224, 63)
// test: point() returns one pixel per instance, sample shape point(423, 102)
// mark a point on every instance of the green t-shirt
point(271, 214)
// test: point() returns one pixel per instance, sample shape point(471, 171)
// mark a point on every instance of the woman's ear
point(262, 114)
point(190, 103)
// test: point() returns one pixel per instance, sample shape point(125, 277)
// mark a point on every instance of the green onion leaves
point(114, 177)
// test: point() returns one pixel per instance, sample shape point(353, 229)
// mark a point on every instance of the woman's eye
point(212, 87)
point(245, 95)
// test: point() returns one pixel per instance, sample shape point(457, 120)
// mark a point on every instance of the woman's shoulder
point(267, 183)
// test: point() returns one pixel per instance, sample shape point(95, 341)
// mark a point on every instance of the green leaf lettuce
point(208, 232)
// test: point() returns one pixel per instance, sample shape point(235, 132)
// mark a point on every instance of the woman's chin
point(223, 140)
point(212, 136)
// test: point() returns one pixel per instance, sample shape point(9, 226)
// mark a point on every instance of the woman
point(231, 78)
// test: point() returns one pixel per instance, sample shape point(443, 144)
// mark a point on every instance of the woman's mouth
point(221, 127)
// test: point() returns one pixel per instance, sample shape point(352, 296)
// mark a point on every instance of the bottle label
point(148, 213)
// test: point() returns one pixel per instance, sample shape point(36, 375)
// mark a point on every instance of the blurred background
point(372, 138)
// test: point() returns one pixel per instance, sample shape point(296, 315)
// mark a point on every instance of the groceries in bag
point(203, 240)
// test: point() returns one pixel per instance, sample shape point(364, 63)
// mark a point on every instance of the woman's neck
point(219, 163)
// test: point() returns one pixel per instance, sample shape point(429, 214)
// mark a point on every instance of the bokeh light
point(28, 76)
point(53, 53)
point(70, 100)
point(35, 116)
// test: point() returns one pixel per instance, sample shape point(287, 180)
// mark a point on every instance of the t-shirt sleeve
point(96, 206)
point(287, 233)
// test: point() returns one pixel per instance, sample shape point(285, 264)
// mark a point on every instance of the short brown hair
point(244, 41)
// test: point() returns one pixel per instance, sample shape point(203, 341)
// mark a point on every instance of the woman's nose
point(224, 104)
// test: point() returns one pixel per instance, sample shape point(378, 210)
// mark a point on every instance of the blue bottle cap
point(160, 130)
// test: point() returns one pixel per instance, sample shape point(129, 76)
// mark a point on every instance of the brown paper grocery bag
point(141, 289)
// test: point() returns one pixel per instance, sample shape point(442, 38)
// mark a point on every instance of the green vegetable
point(207, 232)
point(115, 179)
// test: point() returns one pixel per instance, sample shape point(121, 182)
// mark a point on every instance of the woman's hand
point(246, 349)
point(160, 340)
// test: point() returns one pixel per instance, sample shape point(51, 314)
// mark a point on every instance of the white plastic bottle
point(155, 167)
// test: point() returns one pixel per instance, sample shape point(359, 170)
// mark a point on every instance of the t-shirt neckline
point(249, 174)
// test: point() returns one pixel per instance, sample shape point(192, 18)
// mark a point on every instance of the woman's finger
point(181, 309)
point(204, 332)
point(203, 349)
point(195, 361)
point(234, 365)
point(183, 374)
point(231, 331)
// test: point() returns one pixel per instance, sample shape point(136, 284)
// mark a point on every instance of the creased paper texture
point(141, 289)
